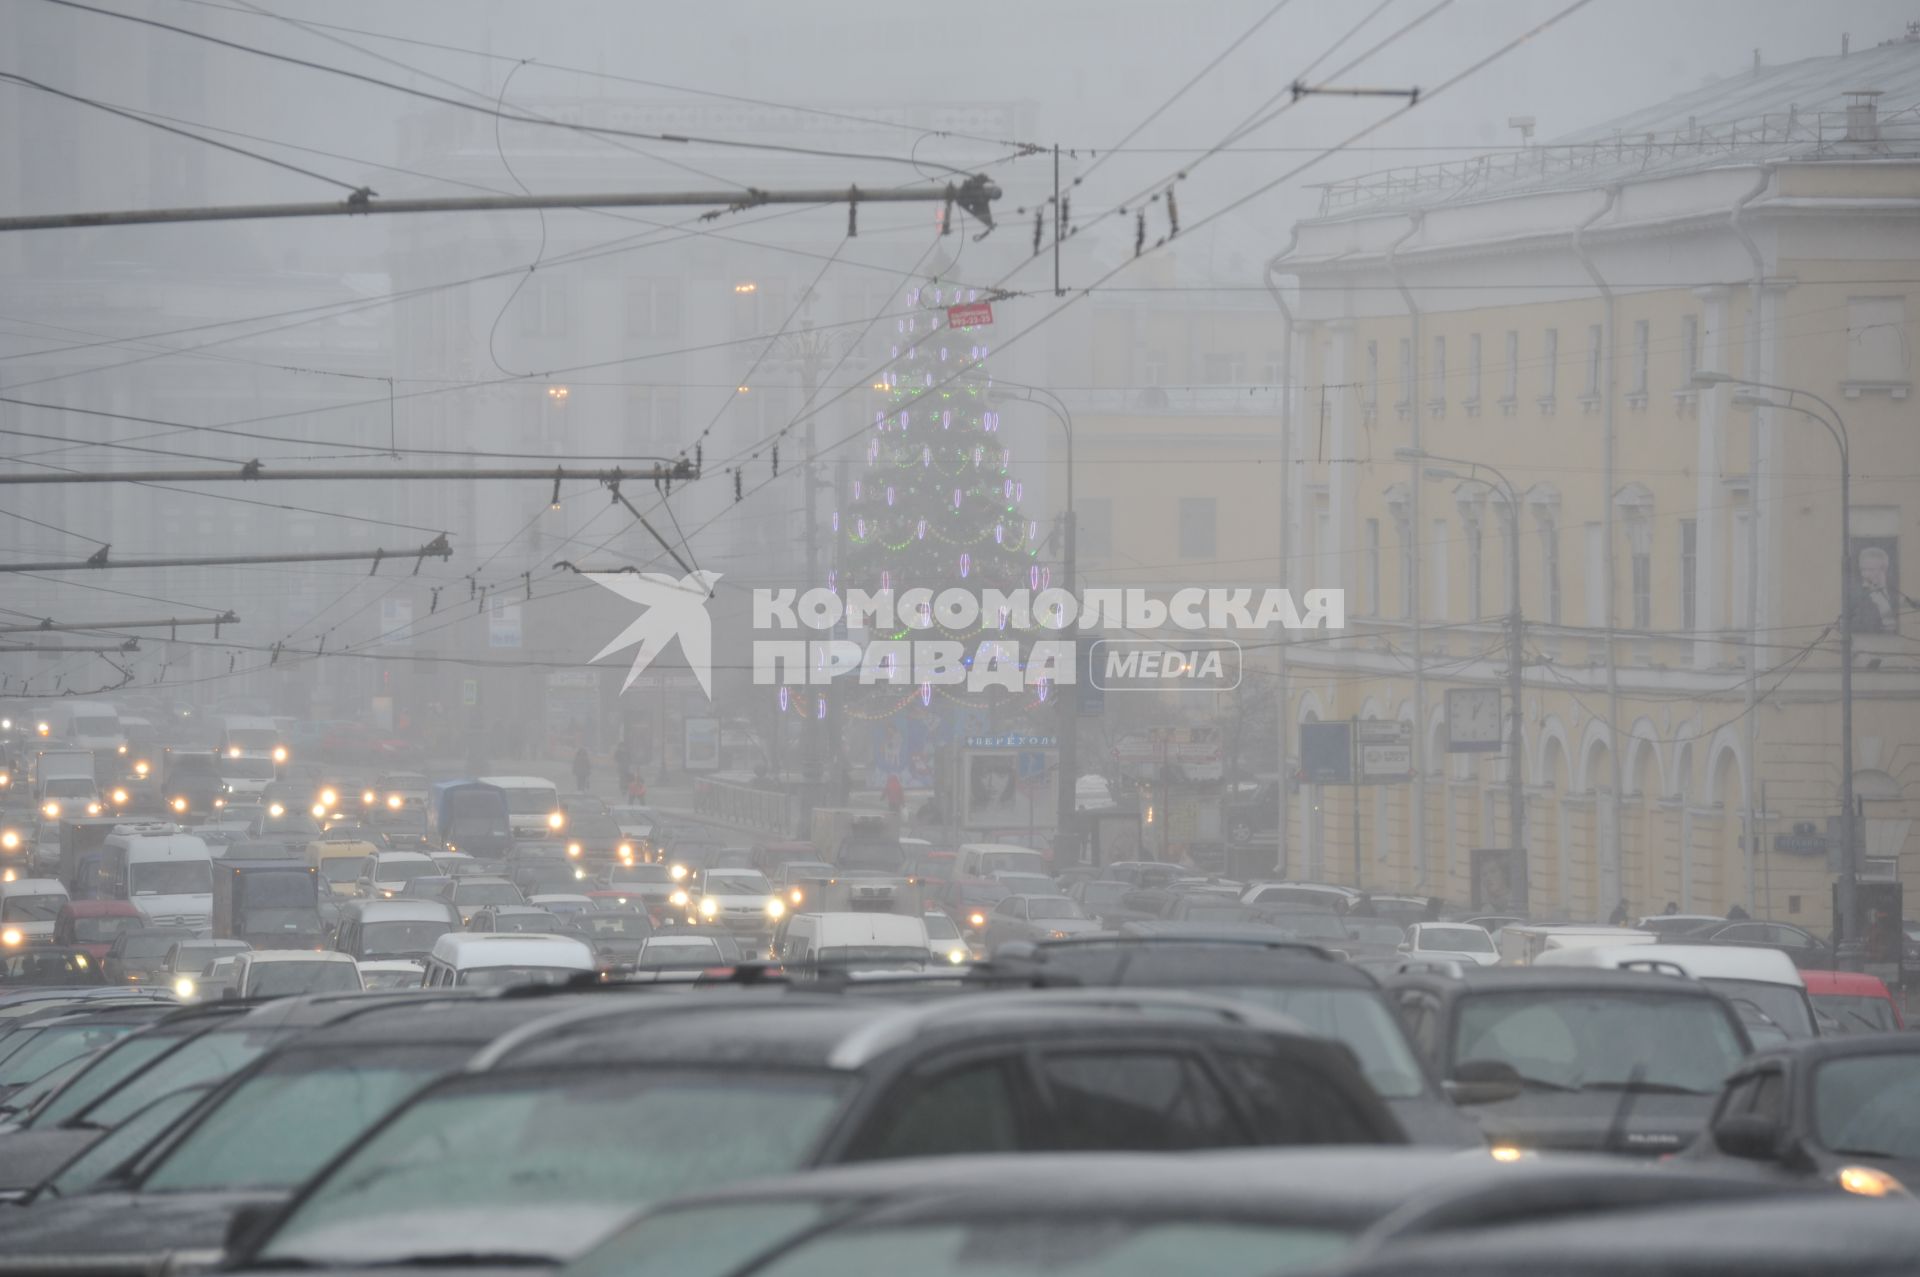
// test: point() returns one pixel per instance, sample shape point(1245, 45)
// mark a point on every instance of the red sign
point(972, 315)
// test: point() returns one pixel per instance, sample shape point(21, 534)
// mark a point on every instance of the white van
point(249, 753)
point(282, 973)
point(1753, 979)
point(468, 959)
point(29, 908)
point(856, 940)
point(167, 874)
point(984, 859)
point(1522, 943)
point(533, 803)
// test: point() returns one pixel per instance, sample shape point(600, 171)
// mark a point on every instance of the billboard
point(1010, 787)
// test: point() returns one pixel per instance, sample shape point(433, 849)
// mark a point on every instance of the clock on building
point(1473, 719)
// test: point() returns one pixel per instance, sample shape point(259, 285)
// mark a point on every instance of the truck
point(93, 726)
point(269, 903)
point(472, 816)
point(855, 840)
point(250, 752)
point(63, 782)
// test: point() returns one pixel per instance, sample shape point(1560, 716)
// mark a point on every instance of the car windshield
point(54, 1046)
point(292, 822)
point(170, 878)
point(192, 959)
point(1869, 1105)
point(113, 1149)
point(247, 768)
point(207, 1058)
point(873, 955)
point(1580, 1039)
point(342, 868)
point(1374, 931)
point(1454, 939)
point(112, 1067)
point(1310, 925)
point(1357, 1017)
point(32, 908)
point(288, 1119)
point(103, 930)
point(147, 944)
point(941, 927)
point(68, 787)
point(508, 977)
point(388, 939)
point(487, 893)
point(589, 1146)
point(1053, 907)
point(403, 869)
point(737, 884)
point(612, 924)
point(1784, 1004)
point(541, 923)
point(1857, 1014)
point(1003, 862)
point(698, 951)
point(639, 875)
point(282, 979)
point(1065, 1243)
point(532, 802)
point(1028, 884)
point(253, 738)
point(1099, 894)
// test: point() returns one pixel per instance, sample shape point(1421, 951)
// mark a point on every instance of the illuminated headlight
point(50, 810)
point(386, 894)
point(580, 875)
point(123, 749)
point(11, 936)
point(42, 728)
point(185, 987)
point(956, 956)
point(556, 820)
point(180, 804)
point(709, 907)
point(6, 724)
point(276, 810)
point(573, 849)
point(7, 875)
point(678, 873)
point(218, 803)
point(6, 778)
point(10, 840)
point(796, 895)
point(233, 752)
point(977, 919)
point(1506, 1153)
point(279, 753)
point(368, 797)
point(80, 960)
point(120, 797)
point(395, 802)
point(93, 809)
point(776, 907)
point(1869, 1181)
point(141, 768)
point(678, 899)
point(626, 852)
point(328, 798)
point(319, 810)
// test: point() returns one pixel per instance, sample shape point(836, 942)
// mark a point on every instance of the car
point(944, 940)
point(1853, 1002)
point(1670, 926)
point(1097, 895)
point(51, 1041)
point(1301, 896)
point(30, 910)
point(171, 1198)
point(1457, 940)
point(463, 959)
point(472, 893)
point(681, 948)
point(635, 823)
point(92, 924)
point(612, 1111)
point(515, 920)
point(741, 900)
point(647, 883)
point(1593, 1060)
point(48, 966)
point(280, 973)
point(1522, 943)
point(1805, 948)
point(1143, 873)
point(1762, 984)
point(616, 935)
point(1839, 1110)
point(387, 873)
point(1035, 918)
point(186, 960)
point(562, 902)
point(400, 930)
point(813, 943)
point(1306, 983)
point(390, 973)
point(137, 957)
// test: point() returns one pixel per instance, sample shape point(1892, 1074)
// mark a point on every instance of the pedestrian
point(895, 795)
point(1619, 916)
point(1671, 909)
point(1362, 908)
point(1737, 914)
point(582, 768)
point(636, 788)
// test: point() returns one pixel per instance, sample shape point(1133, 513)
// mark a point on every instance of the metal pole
point(435, 549)
point(1353, 774)
point(253, 472)
point(1517, 868)
point(1849, 954)
point(82, 627)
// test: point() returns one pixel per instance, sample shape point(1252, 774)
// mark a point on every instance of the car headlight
point(956, 956)
point(93, 809)
point(319, 810)
point(217, 803)
point(329, 798)
point(279, 753)
point(626, 852)
point(678, 900)
point(123, 749)
point(184, 987)
point(776, 907)
point(50, 810)
point(11, 936)
point(276, 810)
point(10, 840)
point(7, 875)
point(43, 728)
point(678, 873)
point(796, 895)
point(395, 802)
point(556, 820)
point(141, 768)
point(386, 893)
point(80, 960)
point(233, 752)
point(6, 778)
point(179, 804)
point(120, 796)
point(573, 849)
point(977, 919)
point(1869, 1181)
point(580, 875)
point(709, 907)
point(368, 797)
point(1506, 1153)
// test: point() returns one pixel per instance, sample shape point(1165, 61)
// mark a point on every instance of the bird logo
point(673, 609)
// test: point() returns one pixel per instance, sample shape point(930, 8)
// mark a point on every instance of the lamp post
point(1848, 952)
point(1516, 785)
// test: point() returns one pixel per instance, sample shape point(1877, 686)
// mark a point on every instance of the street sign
point(972, 315)
point(1805, 840)
point(1385, 764)
point(469, 691)
point(1326, 753)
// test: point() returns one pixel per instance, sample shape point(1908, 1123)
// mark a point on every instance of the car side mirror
point(1483, 1082)
point(248, 1226)
point(1748, 1135)
point(229, 994)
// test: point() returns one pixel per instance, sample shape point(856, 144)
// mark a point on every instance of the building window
point(654, 308)
point(653, 420)
point(1640, 343)
point(1272, 370)
point(1513, 366)
point(1403, 533)
point(1406, 373)
point(1473, 568)
point(1370, 392)
point(1153, 368)
point(1550, 365)
point(1737, 613)
point(1689, 350)
point(1550, 568)
point(1473, 369)
point(1593, 361)
point(542, 307)
point(1507, 550)
point(1642, 590)
point(1689, 570)
point(1436, 600)
point(1093, 528)
point(1596, 574)
point(1876, 339)
point(1196, 527)
point(1226, 370)
point(1373, 567)
point(1437, 375)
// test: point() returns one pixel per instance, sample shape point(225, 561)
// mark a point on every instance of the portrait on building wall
point(1873, 592)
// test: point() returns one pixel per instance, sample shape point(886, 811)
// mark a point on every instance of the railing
point(769, 811)
point(1812, 134)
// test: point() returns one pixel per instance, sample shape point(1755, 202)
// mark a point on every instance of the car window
point(1135, 1100)
point(1600, 1040)
point(1289, 1103)
point(207, 1058)
point(120, 1144)
point(107, 1071)
point(1869, 1105)
point(971, 1109)
point(701, 1241)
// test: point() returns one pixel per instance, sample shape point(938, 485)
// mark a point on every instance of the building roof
point(1797, 110)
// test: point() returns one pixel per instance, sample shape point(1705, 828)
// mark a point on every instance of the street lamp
point(1848, 954)
point(1516, 785)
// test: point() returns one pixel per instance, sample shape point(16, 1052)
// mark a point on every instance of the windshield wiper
point(471, 1259)
point(1542, 1084)
point(1640, 1086)
point(1863, 1152)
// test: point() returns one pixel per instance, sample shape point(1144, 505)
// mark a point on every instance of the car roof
point(1701, 961)
point(385, 856)
point(1856, 983)
point(411, 1016)
point(33, 887)
point(1229, 959)
point(259, 956)
point(102, 909)
point(397, 910)
point(462, 948)
point(1480, 979)
point(1840, 1045)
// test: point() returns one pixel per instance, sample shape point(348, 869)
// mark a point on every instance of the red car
point(1858, 1003)
point(92, 924)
